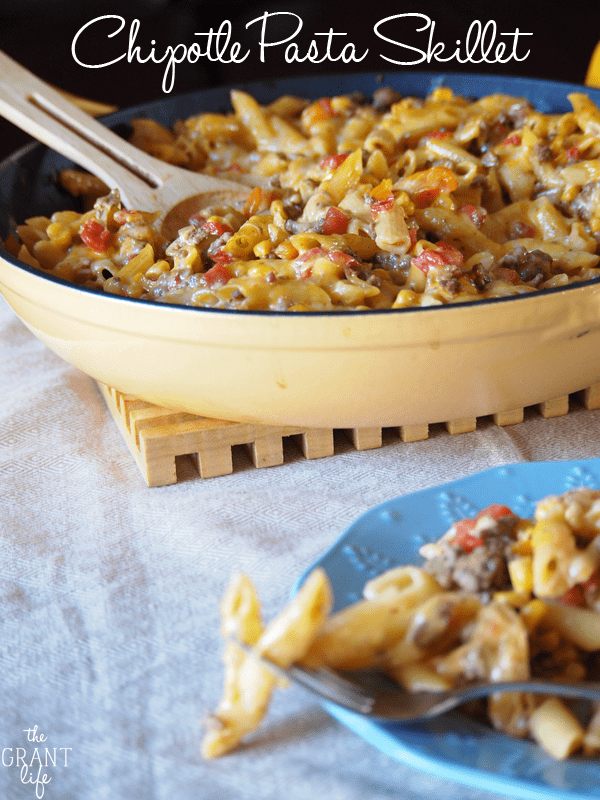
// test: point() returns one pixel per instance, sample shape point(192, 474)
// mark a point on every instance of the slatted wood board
point(156, 436)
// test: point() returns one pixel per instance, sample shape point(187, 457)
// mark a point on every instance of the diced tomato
point(381, 198)
point(386, 204)
point(439, 135)
point(573, 154)
point(335, 221)
point(333, 161)
point(477, 214)
point(467, 541)
point(308, 255)
point(325, 103)
point(312, 253)
point(217, 274)
point(345, 259)
point(464, 536)
point(576, 595)
point(522, 230)
point(451, 254)
point(445, 255)
point(221, 257)
point(593, 582)
point(217, 227)
point(198, 218)
point(254, 201)
point(336, 256)
point(425, 185)
point(428, 259)
point(515, 139)
point(507, 274)
point(414, 236)
point(495, 510)
point(572, 597)
point(425, 197)
point(95, 235)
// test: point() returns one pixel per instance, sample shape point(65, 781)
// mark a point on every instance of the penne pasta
point(475, 609)
point(513, 191)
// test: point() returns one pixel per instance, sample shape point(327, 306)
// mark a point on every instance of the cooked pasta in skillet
point(389, 203)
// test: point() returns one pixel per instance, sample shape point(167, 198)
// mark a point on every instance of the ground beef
point(484, 569)
point(542, 152)
point(532, 266)
point(587, 202)
point(398, 265)
point(450, 285)
point(518, 112)
point(479, 276)
point(293, 210)
point(481, 571)
point(358, 98)
point(293, 226)
point(384, 98)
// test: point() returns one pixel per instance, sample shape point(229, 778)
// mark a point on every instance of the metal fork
point(372, 694)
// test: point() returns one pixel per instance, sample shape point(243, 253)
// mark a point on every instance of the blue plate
point(454, 746)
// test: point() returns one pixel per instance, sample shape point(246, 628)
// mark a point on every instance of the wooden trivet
point(156, 435)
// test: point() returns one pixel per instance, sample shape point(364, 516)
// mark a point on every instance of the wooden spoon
point(145, 183)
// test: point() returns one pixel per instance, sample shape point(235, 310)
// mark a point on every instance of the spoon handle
point(45, 114)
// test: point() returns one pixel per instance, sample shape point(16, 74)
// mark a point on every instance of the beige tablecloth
point(109, 591)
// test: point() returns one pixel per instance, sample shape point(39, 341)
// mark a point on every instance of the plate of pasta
point(403, 232)
point(397, 533)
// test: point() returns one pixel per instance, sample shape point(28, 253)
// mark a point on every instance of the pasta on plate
point(497, 597)
point(393, 203)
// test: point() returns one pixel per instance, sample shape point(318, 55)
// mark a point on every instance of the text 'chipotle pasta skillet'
point(393, 203)
point(497, 598)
